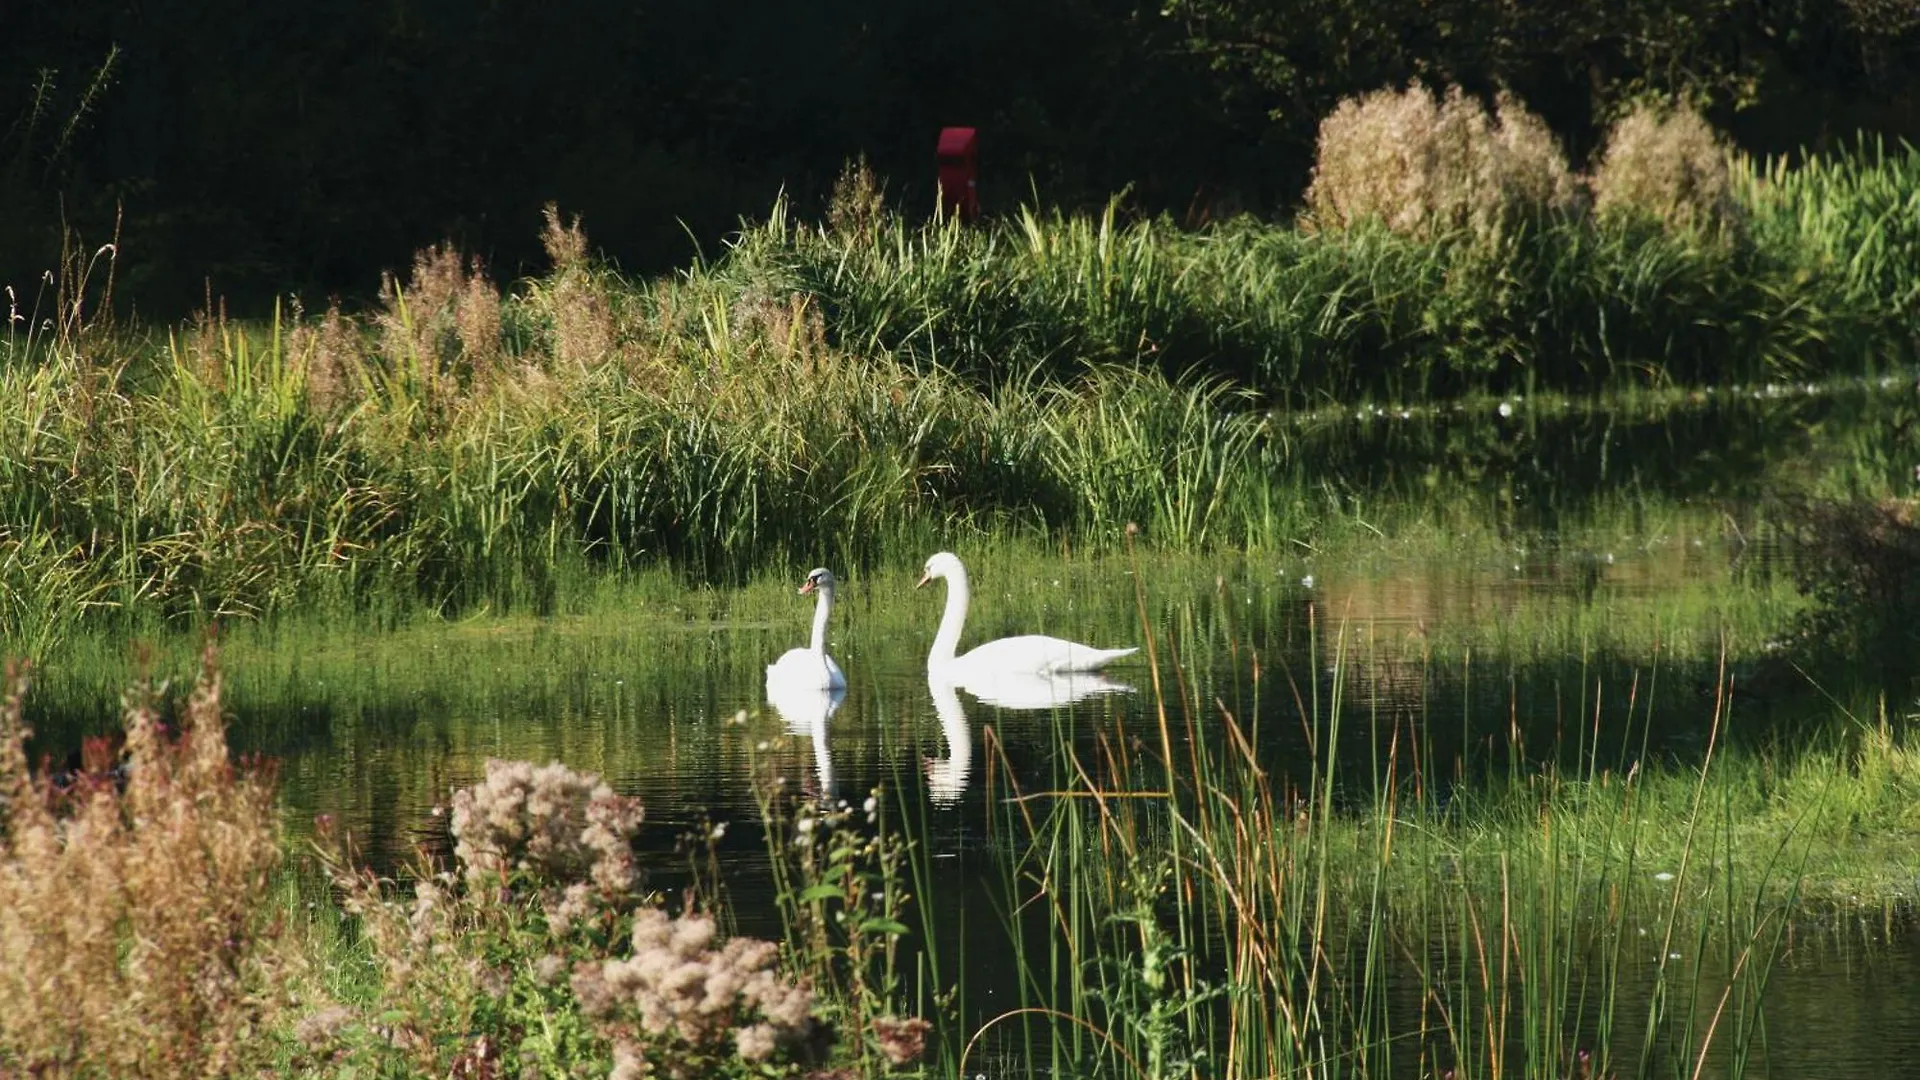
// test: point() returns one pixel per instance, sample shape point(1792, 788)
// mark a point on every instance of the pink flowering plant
point(540, 954)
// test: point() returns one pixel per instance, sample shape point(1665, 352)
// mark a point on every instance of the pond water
point(1598, 641)
point(670, 703)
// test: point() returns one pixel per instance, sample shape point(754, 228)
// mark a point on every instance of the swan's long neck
point(948, 639)
point(821, 608)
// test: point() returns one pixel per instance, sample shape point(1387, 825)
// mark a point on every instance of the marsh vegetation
point(1522, 560)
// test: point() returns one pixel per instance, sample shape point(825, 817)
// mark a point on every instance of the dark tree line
point(267, 147)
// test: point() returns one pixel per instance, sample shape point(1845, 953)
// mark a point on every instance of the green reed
point(1178, 909)
point(859, 398)
point(1818, 284)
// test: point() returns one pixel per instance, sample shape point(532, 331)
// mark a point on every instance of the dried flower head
point(681, 989)
point(553, 825)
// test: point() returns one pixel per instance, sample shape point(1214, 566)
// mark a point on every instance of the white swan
point(806, 711)
point(811, 667)
point(1034, 654)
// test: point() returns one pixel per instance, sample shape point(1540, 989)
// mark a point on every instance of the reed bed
point(847, 393)
point(1816, 282)
point(1176, 910)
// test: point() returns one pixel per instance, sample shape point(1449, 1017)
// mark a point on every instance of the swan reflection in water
point(947, 777)
point(806, 711)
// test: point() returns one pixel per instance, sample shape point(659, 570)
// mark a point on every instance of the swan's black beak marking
point(807, 587)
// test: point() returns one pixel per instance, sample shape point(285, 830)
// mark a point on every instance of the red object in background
point(958, 156)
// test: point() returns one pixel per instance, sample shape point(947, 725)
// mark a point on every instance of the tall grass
point(1176, 911)
point(842, 394)
point(1559, 299)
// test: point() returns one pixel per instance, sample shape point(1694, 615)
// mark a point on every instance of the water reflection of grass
point(633, 676)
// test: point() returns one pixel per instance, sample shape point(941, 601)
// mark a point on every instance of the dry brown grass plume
point(132, 941)
point(1668, 166)
point(1426, 166)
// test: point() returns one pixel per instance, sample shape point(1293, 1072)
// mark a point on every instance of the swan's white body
point(810, 668)
point(1028, 654)
point(806, 711)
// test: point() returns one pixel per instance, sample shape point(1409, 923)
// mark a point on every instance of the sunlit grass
point(859, 397)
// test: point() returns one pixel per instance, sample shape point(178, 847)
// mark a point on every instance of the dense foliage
point(309, 146)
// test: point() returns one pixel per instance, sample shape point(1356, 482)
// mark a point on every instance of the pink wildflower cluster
point(548, 822)
point(680, 989)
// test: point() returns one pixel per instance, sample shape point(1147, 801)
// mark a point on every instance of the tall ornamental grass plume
point(1426, 166)
point(132, 939)
point(443, 326)
point(1667, 166)
point(573, 302)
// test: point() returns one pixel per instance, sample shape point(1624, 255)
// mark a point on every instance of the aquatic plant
point(845, 879)
point(1175, 909)
point(842, 394)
